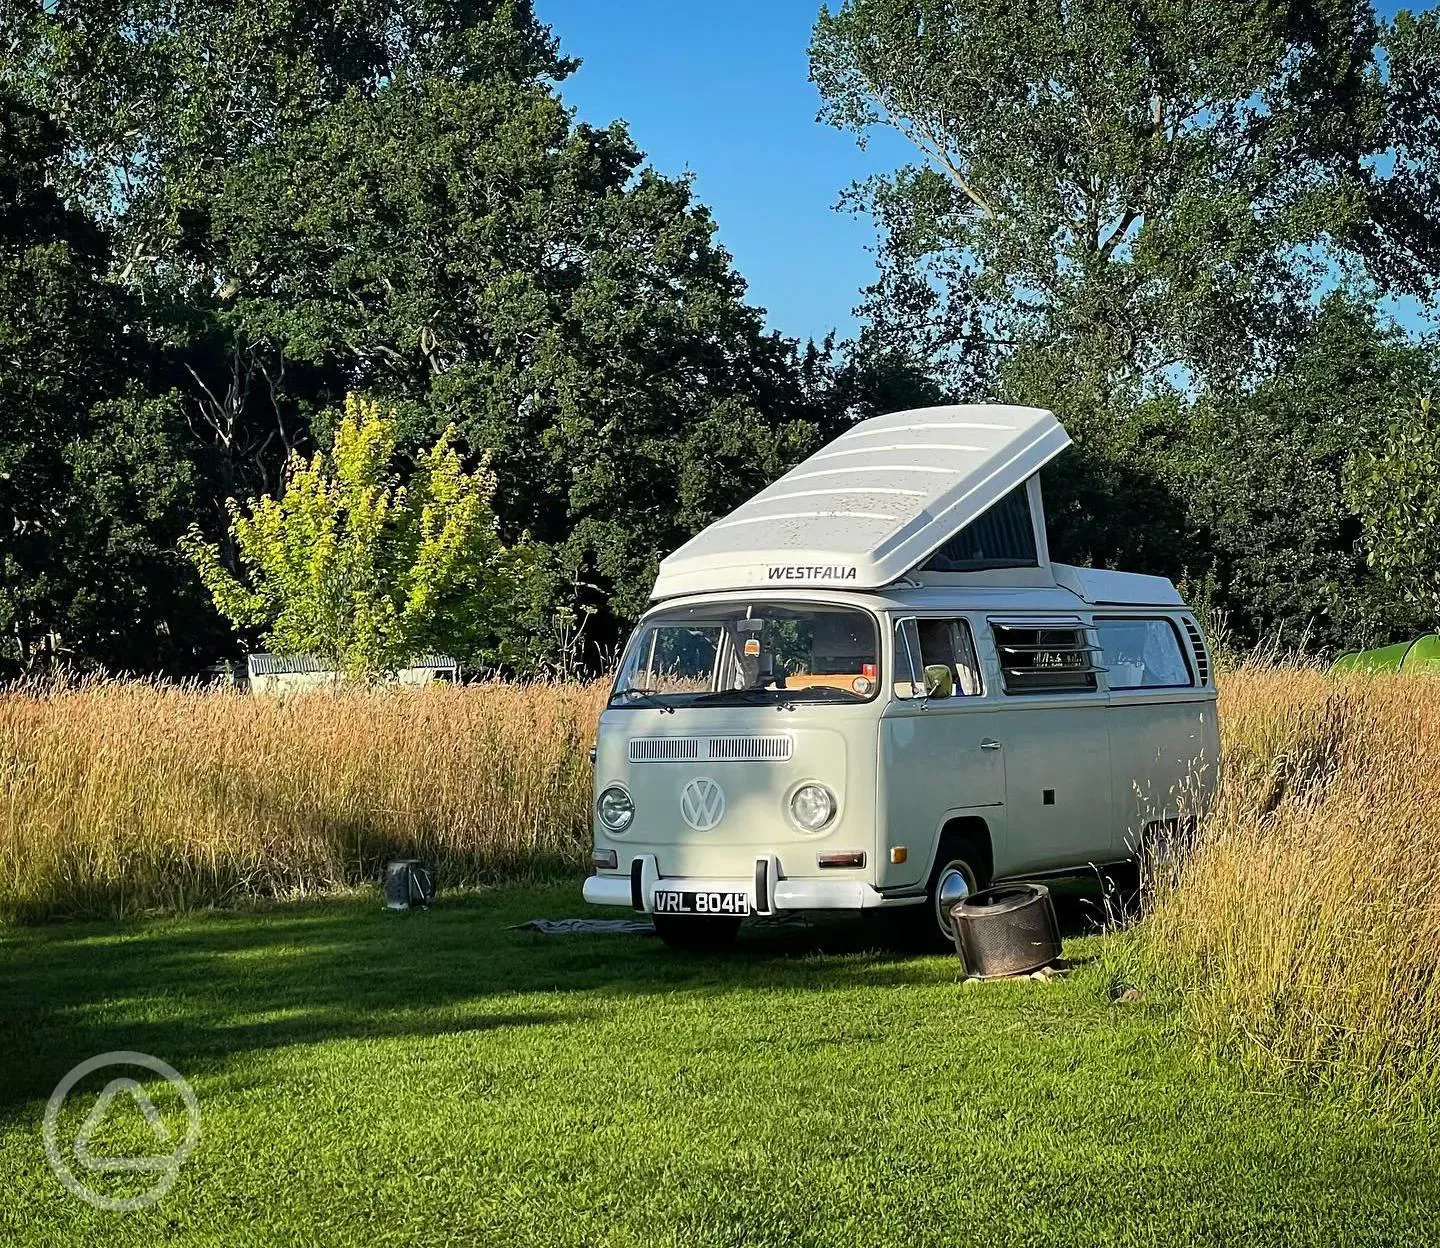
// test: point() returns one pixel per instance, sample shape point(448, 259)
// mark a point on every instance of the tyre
point(1120, 888)
point(956, 874)
point(1164, 848)
point(686, 933)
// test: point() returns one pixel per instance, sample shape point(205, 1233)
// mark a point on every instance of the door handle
point(989, 744)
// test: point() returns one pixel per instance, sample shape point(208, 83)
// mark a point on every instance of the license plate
point(670, 901)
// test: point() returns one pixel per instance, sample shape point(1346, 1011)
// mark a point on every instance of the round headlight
point(615, 808)
point(812, 806)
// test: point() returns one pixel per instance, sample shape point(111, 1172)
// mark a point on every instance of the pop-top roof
point(867, 508)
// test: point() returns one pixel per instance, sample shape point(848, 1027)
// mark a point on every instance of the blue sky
point(724, 91)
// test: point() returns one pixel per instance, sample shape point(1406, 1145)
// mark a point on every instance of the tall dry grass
point(1302, 927)
point(117, 798)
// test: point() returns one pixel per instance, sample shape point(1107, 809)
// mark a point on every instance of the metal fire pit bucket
point(1006, 930)
point(408, 882)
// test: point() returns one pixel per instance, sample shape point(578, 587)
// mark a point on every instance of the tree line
point(1180, 226)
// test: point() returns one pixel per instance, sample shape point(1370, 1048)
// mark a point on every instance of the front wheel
point(696, 933)
point(953, 878)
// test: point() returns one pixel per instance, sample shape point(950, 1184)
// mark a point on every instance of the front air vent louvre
point(749, 749)
point(1202, 659)
point(666, 749)
point(711, 749)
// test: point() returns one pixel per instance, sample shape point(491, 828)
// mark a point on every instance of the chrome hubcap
point(953, 886)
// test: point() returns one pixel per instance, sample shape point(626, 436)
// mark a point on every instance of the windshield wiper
point(820, 692)
point(645, 697)
point(751, 693)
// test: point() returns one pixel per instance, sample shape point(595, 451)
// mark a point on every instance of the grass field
point(371, 1078)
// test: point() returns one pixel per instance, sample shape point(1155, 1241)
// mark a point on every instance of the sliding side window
point(1045, 657)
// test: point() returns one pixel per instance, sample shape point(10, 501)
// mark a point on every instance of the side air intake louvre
point(711, 749)
point(1202, 659)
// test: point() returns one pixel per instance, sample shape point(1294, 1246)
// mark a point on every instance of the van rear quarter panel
point(1164, 751)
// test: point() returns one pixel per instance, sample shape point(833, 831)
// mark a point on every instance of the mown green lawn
point(372, 1078)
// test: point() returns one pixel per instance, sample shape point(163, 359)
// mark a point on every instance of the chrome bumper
point(769, 892)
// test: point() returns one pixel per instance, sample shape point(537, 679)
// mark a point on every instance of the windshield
point(763, 652)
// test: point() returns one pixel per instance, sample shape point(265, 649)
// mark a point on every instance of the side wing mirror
point(939, 681)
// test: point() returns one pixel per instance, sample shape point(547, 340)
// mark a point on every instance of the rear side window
point(1045, 657)
point(1143, 654)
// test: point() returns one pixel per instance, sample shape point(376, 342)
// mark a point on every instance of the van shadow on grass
point(201, 990)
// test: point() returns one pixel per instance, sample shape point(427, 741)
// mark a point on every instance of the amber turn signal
point(898, 853)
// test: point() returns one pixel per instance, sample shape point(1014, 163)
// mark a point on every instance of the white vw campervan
point(869, 687)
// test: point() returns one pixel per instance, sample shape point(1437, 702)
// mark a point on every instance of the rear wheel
point(696, 933)
point(1120, 886)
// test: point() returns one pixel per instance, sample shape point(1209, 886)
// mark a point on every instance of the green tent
point(1420, 655)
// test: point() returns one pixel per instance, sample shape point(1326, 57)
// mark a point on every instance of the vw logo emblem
point(702, 803)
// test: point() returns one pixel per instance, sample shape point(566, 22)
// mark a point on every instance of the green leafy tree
point(466, 250)
point(351, 565)
point(1133, 215)
point(1154, 194)
point(1395, 490)
point(162, 96)
point(1263, 478)
point(162, 99)
point(95, 482)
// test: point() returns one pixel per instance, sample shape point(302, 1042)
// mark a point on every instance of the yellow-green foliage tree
point(356, 567)
point(1395, 490)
